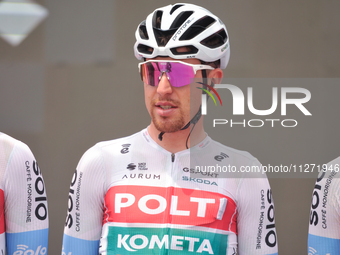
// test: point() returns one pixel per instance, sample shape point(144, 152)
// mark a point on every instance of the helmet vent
point(143, 32)
point(175, 7)
point(144, 49)
point(189, 50)
point(215, 40)
point(157, 19)
point(183, 16)
point(163, 36)
point(198, 27)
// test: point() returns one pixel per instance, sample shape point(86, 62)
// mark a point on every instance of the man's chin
point(168, 126)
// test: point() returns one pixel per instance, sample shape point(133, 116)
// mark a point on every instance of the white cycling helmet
point(183, 25)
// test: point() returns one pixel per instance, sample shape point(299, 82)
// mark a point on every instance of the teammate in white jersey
point(140, 194)
point(23, 203)
point(324, 223)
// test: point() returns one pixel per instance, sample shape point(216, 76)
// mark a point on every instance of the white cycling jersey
point(131, 196)
point(23, 202)
point(324, 228)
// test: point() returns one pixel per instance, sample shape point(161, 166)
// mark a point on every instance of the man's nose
point(164, 86)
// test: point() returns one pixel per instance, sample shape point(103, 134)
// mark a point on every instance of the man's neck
point(177, 141)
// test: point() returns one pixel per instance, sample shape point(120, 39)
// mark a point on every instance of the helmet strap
point(194, 119)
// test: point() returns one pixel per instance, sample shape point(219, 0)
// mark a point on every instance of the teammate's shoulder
point(8, 140)
point(8, 143)
point(333, 168)
point(330, 173)
point(335, 161)
point(12, 153)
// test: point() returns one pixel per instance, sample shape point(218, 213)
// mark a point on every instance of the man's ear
point(216, 76)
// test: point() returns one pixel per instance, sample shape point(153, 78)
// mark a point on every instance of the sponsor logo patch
point(144, 204)
point(163, 241)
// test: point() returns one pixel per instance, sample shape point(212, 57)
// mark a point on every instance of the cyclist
point(139, 194)
point(23, 203)
point(324, 231)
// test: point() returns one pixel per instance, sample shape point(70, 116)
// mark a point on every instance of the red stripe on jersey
point(143, 204)
point(2, 214)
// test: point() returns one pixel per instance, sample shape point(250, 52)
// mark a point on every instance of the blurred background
point(74, 82)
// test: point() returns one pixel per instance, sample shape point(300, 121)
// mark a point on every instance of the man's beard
point(168, 124)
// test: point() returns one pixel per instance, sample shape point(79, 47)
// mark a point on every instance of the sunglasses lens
point(178, 74)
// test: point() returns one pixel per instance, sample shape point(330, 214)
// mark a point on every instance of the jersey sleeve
point(324, 221)
point(255, 220)
point(85, 206)
point(25, 203)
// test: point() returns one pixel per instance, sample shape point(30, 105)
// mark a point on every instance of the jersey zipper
point(172, 157)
